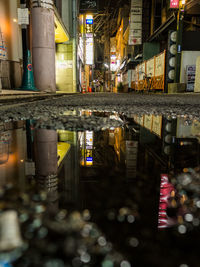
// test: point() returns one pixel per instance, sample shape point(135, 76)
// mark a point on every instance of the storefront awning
point(61, 33)
point(163, 27)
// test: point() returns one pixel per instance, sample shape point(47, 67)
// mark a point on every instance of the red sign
point(165, 193)
point(29, 67)
point(174, 3)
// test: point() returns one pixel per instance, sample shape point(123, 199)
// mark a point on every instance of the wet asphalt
point(63, 112)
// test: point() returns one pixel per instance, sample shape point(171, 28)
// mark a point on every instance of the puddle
point(115, 191)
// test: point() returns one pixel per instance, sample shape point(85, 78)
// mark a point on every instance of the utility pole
point(84, 55)
point(25, 39)
point(74, 2)
point(180, 17)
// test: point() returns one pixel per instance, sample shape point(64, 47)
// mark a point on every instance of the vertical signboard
point(190, 77)
point(89, 41)
point(89, 147)
point(167, 190)
point(135, 31)
point(23, 16)
point(89, 49)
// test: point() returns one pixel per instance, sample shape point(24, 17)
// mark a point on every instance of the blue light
point(89, 159)
point(89, 21)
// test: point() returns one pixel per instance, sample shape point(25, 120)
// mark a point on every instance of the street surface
point(127, 104)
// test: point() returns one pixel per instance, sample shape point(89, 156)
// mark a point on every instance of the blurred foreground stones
point(64, 112)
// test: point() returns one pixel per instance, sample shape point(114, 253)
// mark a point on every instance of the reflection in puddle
point(107, 197)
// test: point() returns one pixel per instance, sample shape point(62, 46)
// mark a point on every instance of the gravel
point(64, 112)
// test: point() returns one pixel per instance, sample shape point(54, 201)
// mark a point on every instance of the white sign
point(23, 16)
point(150, 67)
point(89, 51)
point(81, 48)
point(89, 139)
point(190, 76)
point(160, 65)
point(135, 31)
point(142, 71)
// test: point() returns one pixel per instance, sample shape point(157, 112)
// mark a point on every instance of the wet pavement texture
point(80, 187)
point(133, 103)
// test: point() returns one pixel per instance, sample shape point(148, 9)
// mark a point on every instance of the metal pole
point(84, 51)
point(180, 16)
point(25, 42)
point(74, 45)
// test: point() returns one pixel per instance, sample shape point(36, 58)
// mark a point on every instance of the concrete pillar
point(43, 47)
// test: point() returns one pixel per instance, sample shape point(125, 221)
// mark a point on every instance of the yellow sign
point(61, 34)
point(62, 150)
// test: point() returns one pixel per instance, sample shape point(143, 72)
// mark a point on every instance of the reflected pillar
point(43, 48)
point(46, 165)
point(46, 152)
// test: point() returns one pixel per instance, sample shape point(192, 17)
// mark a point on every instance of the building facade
point(48, 30)
point(11, 55)
point(159, 54)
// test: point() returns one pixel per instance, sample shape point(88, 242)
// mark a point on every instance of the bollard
point(28, 79)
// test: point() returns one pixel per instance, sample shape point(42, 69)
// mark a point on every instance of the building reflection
point(86, 140)
point(13, 154)
point(57, 169)
point(74, 166)
point(171, 146)
point(68, 169)
point(46, 165)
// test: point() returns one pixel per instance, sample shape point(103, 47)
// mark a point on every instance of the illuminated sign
point(89, 139)
point(166, 192)
point(89, 21)
point(88, 28)
point(174, 3)
point(89, 50)
point(89, 159)
point(113, 62)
